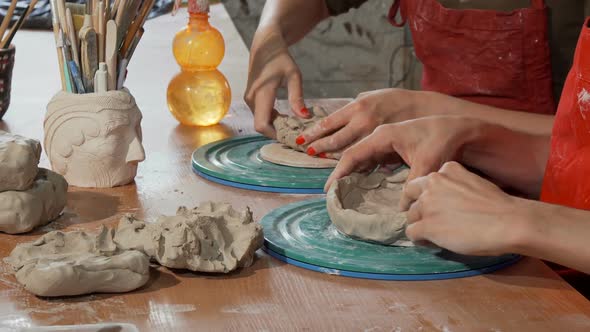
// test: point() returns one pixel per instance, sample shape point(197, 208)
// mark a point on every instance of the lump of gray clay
point(289, 127)
point(210, 238)
point(76, 263)
point(366, 206)
point(21, 211)
point(19, 157)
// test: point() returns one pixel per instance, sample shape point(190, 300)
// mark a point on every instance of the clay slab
point(19, 157)
point(281, 154)
point(21, 211)
point(210, 238)
point(75, 263)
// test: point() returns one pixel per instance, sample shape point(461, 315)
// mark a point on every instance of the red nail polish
point(300, 140)
point(311, 151)
point(323, 155)
point(305, 111)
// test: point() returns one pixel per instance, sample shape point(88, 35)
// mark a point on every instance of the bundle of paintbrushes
point(6, 34)
point(95, 41)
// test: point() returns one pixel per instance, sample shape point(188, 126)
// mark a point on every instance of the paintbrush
point(72, 35)
point(101, 31)
point(7, 18)
point(88, 53)
point(18, 24)
point(111, 55)
point(136, 25)
point(56, 35)
point(125, 15)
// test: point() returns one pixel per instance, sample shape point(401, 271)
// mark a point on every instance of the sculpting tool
point(78, 11)
point(61, 14)
point(100, 78)
point(122, 73)
point(107, 10)
point(100, 32)
point(125, 15)
point(77, 78)
point(61, 45)
point(134, 44)
point(8, 39)
point(114, 9)
point(72, 37)
point(88, 53)
point(136, 25)
point(55, 24)
point(7, 18)
point(111, 55)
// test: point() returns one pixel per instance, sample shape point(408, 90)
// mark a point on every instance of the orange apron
point(567, 176)
point(488, 57)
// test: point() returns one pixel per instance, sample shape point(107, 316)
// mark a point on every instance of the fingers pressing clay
point(19, 157)
point(366, 207)
point(76, 263)
point(280, 154)
point(295, 89)
point(210, 238)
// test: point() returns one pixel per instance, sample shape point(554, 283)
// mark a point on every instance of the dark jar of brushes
point(6, 65)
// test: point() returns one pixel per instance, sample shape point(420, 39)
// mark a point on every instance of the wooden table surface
point(270, 295)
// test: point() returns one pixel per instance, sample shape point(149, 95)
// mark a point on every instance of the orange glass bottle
point(199, 95)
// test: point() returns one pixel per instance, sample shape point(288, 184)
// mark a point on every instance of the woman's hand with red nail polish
point(425, 144)
point(359, 118)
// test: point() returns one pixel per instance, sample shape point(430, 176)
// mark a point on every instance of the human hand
point(271, 66)
point(460, 211)
point(425, 144)
point(358, 119)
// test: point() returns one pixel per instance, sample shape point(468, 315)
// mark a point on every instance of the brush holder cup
point(94, 139)
point(6, 65)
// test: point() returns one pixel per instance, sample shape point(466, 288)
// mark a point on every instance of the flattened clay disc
point(278, 153)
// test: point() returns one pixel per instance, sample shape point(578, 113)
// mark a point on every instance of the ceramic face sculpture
point(94, 140)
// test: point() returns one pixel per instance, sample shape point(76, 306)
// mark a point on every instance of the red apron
point(488, 57)
point(567, 176)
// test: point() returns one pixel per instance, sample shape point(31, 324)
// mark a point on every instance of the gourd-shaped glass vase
point(199, 95)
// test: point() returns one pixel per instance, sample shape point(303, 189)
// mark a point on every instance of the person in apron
point(490, 57)
point(456, 209)
point(508, 46)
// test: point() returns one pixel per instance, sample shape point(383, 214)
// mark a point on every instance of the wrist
point(524, 233)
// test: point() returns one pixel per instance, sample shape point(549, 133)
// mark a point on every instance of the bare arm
point(369, 110)
point(510, 157)
point(283, 23)
point(555, 233)
point(537, 124)
point(292, 18)
point(457, 210)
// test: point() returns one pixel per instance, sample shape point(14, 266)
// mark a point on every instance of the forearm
point(293, 18)
point(511, 158)
point(537, 124)
point(554, 233)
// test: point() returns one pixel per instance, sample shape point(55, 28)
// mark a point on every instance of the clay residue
point(289, 127)
point(75, 263)
point(366, 206)
point(19, 157)
point(210, 238)
point(21, 211)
